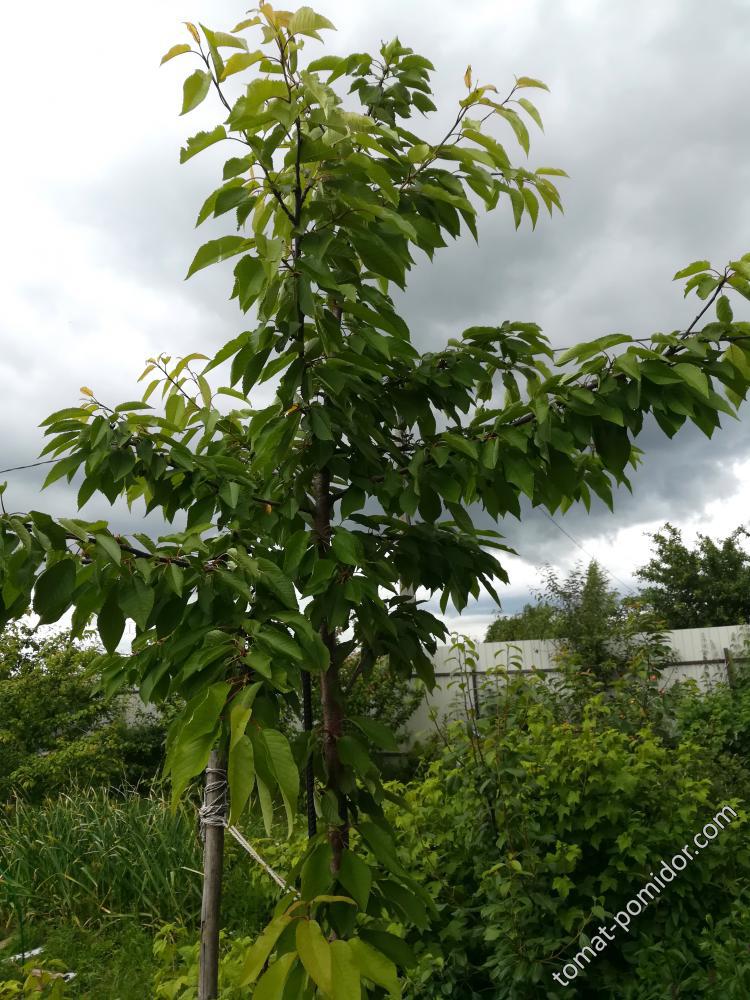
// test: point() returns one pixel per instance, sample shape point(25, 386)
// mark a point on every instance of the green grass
point(92, 854)
point(92, 874)
point(112, 961)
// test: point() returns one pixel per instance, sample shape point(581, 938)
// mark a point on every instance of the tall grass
point(93, 853)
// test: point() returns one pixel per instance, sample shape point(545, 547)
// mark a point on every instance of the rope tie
point(213, 813)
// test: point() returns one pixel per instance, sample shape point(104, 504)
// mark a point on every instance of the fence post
point(213, 817)
point(729, 667)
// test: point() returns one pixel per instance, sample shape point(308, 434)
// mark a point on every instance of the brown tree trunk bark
point(330, 688)
point(213, 863)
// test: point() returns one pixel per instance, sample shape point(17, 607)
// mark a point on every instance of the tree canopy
point(293, 544)
point(701, 585)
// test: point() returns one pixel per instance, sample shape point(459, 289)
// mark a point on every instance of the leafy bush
point(531, 831)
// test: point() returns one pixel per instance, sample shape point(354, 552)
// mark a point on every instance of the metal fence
point(705, 655)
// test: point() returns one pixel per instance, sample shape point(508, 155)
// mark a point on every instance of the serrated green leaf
point(194, 90)
point(315, 954)
point(695, 268)
point(240, 772)
point(528, 81)
point(110, 548)
point(694, 377)
point(285, 771)
point(356, 877)
point(218, 250)
point(53, 590)
point(137, 601)
point(202, 141)
point(373, 965)
point(345, 977)
point(260, 951)
point(176, 50)
point(192, 737)
point(271, 984)
point(240, 61)
point(110, 622)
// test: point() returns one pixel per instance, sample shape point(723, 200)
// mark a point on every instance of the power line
point(588, 554)
point(32, 465)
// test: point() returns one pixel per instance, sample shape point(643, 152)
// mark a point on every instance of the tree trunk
point(213, 863)
point(330, 689)
point(307, 725)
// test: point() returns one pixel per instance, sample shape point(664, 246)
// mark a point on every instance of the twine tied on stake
point(213, 813)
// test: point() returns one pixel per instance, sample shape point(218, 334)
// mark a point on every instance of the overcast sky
point(648, 114)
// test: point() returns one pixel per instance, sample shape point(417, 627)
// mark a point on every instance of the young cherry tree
point(301, 522)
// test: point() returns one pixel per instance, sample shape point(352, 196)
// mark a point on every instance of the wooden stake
point(213, 863)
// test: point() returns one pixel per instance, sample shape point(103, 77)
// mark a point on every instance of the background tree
point(304, 498)
point(700, 586)
point(533, 621)
point(595, 630)
point(57, 730)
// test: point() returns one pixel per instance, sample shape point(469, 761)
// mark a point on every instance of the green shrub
point(530, 831)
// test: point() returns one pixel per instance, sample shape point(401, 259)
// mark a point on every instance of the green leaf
point(305, 21)
point(241, 774)
point(522, 133)
point(531, 110)
point(271, 984)
point(218, 250)
point(346, 547)
point(192, 737)
point(583, 351)
point(316, 872)
point(532, 204)
point(194, 90)
point(137, 601)
point(345, 978)
point(110, 622)
point(202, 141)
point(392, 946)
point(695, 268)
point(176, 50)
point(356, 877)
point(373, 965)
point(109, 548)
point(694, 377)
point(418, 153)
point(240, 61)
point(375, 731)
point(53, 590)
point(461, 444)
point(261, 949)
point(275, 580)
point(528, 81)
point(285, 771)
point(724, 310)
point(315, 954)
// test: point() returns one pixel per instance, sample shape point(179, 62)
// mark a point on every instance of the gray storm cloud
point(647, 114)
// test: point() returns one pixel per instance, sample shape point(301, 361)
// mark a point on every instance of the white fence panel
point(699, 654)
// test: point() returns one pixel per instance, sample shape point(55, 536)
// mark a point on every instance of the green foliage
point(111, 961)
point(599, 637)
point(534, 621)
point(56, 730)
point(304, 499)
point(530, 831)
point(698, 587)
point(719, 719)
